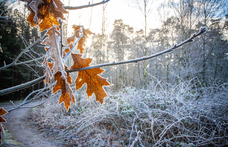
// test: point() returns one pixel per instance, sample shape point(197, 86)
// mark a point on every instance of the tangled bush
point(167, 115)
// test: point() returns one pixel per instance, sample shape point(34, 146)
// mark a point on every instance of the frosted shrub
point(174, 115)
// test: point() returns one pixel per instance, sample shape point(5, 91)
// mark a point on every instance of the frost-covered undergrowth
point(168, 115)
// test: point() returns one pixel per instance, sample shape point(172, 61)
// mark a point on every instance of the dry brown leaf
point(78, 30)
point(53, 49)
point(82, 41)
point(63, 85)
point(87, 32)
point(45, 13)
point(57, 68)
point(59, 5)
point(2, 112)
point(30, 19)
point(90, 77)
point(48, 21)
point(81, 44)
point(48, 72)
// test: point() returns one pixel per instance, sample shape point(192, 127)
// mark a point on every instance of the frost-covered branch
point(29, 61)
point(85, 6)
point(137, 138)
point(15, 61)
point(75, 44)
point(12, 18)
point(21, 86)
point(27, 100)
point(202, 30)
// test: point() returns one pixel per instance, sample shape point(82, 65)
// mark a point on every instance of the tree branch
point(21, 86)
point(202, 30)
point(25, 85)
point(15, 61)
point(12, 18)
point(85, 6)
point(26, 101)
point(29, 61)
point(137, 138)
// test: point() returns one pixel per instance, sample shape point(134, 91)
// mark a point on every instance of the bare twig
point(61, 37)
point(26, 101)
point(137, 138)
point(29, 61)
point(132, 131)
point(35, 105)
point(12, 18)
point(12, 103)
point(75, 44)
point(15, 61)
point(85, 6)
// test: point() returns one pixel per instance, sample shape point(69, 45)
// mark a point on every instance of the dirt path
point(22, 130)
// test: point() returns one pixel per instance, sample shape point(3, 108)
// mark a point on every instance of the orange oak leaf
point(82, 41)
point(48, 72)
point(57, 68)
point(45, 13)
point(81, 44)
point(66, 92)
point(69, 79)
point(30, 19)
point(87, 32)
point(79, 30)
point(48, 21)
point(53, 49)
point(90, 77)
point(2, 112)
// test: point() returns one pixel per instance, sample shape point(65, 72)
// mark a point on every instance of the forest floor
point(20, 131)
point(167, 115)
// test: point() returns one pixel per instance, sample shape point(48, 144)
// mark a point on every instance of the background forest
point(16, 34)
point(179, 98)
point(205, 59)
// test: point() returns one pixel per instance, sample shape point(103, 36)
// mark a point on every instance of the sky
point(127, 10)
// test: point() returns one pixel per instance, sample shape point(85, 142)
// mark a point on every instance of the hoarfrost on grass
point(177, 115)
